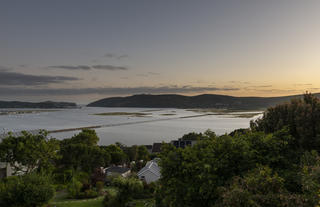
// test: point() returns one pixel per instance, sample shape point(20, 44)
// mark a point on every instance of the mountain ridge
point(44, 104)
point(198, 101)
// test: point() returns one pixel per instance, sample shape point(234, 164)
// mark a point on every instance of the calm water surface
point(157, 126)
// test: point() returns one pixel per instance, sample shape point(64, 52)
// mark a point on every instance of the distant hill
point(200, 101)
point(46, 104)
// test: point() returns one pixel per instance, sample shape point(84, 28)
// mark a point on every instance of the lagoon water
point(157, 126)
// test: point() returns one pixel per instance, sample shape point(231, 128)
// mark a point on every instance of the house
point(151, 172)
point(117, 170)
point(5, 170)
point(183, 143)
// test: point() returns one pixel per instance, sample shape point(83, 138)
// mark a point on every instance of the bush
point(88, 194)
point(59, 187)
point(111, 200)
point(128, 188)
point(32, 190)
point(259, 187)
point(74, 188)
point(99, 186)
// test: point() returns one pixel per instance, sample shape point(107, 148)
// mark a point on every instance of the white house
point(150, 173)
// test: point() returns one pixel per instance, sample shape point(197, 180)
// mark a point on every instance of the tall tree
point(301, 116)
point(29, 152)
point(82, 152)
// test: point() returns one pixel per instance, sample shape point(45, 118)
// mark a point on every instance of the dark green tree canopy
point(31, 190)
point(301, 116)
point(29, 152)
point(81, 152)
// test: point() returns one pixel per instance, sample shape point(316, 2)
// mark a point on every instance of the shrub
point(32, 190)
point(74, 188)
point(128, 188)
point(111, 200)
point(99, 186)
point(88, 194)
point(259, 187)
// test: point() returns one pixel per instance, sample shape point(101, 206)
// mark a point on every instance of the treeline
point(43, 165)
point(274, 163)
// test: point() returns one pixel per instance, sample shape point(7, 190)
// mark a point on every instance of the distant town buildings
point(183, 143)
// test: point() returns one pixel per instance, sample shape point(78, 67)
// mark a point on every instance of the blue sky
point(85, 50)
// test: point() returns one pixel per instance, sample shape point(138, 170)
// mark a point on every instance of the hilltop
point(45, 104)
point(200, 101)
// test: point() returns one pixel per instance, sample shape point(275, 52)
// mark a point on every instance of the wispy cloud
point(148, 74)
point(71, 67)
point(303, 84)
point(21, 79)
point(111, 90)
point(109, 67)
point(116, 56)
point(88, 67)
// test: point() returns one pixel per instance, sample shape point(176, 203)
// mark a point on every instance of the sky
point(81, 51)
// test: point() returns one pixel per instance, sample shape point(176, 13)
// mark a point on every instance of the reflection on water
point(121, 126)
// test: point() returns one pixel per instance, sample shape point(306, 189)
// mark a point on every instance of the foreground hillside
point(200, 101)
point(46, 104)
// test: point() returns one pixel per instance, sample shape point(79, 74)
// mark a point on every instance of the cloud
point(87, 67)
point(21, 79)
point(111, 90)
point(4, 68)
point(261, 86)
point(147, 74)
point(109, 67)
point(303, 84)
point(70, 67)
point(239, 82)
point(116, 56)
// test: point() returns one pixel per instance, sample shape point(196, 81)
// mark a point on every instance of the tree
point(191, 176)
point(83, 157)
point(116, 153)
point(29, 152)
point(132, 153)
point(98, 175)
point(143, 153)
point(31, 190)
point(86, 136)
point(310, 177)
point(259, 187)
point(194, 175)
point(301, 116)
point(127, 188)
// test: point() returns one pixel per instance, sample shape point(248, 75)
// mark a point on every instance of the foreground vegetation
point(275, 162)
point(45, 166)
